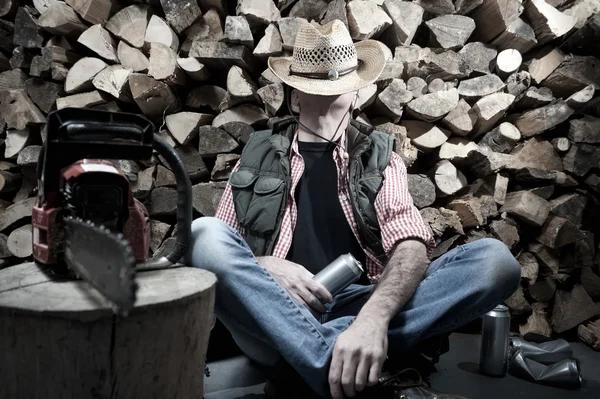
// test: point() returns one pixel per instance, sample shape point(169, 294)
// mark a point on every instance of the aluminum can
point(493, 355)
point(339, 274)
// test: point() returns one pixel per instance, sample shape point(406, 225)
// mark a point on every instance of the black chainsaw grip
point(184, 198)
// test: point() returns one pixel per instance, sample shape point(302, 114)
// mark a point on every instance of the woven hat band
point(324, 60)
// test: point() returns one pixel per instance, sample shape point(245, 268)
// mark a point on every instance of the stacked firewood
point(494, 104)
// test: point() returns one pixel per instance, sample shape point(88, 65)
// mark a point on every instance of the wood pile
point(494, 104)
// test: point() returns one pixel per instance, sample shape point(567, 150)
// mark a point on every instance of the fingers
point(320, 291)
point(362, 373)
point(335, 375)
point(349, 375)
point(375, 371)
point(312, 300)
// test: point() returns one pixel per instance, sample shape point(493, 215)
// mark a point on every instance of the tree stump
point(66, 337)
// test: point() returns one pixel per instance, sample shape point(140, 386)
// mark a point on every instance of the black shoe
point(405, 384)
point(285, 382)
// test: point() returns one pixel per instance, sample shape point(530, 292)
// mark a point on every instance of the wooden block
point(164, 177)
point(581, 158)
point(502, 12)
point(547, 22)
point(12, 80)
point(518, 35)
point(162, 202)
point(81, 74)
point(240, 86)
point(481, 57)
point(586, 40)
point(43, 93)
point(590, 281)
point(270, 44)
point(390, 102)
point(206, 197)
point(181, 14)
point(273, 97)
point(61, 19)
point(288, 28)
point(502, 138)
point(95, 11)
point(114, 80)
point(158, 31)
point(29, 155)
point(585, 130)
point(130, 24)
point(17, 109)
point(416, 85)
point(27, 33)
point(424, 135)
point(19, 242)
point(527, 154)
point(214, 141)
point(434, 106)
point(461, 119)
point(508, 62)
point(535, 97)
point(366, 20)
point(163, 65)
point(158, 233)
point(558, 232)
point(240, 131)
point(537, 328)
point(144, 184)
point(153, 97)
point(184, 125)
point(447, 178)
point(132, 58)
point(258, 12)
point(561, 144)
point(450, 31)
point(529, 267)
point(456, 149)
point(16, 140)
point(406, 18)
point(237, 31)
point(193, 69)
point(590, 334)
point(421, 189)
point(545, 62)
point(219, 55)
point(481, 86)
point(517, 302)
point(224, 166)
point(542, 119)
point(247, 113)
point(489, 110)
point(572, 308)
point(527, 206)
point(206, 98)
point(569, 206)
point(82, 100)
point(15, 213)
point(59, 72)
point(543, 290)
point(193, 162)
point(506, 232)
point(366, 96)
point(518, 83)
point(548, 258)
point(573, 75)
point(309, 9)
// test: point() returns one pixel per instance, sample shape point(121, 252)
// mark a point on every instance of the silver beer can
point(339, 274)
point(493, 355)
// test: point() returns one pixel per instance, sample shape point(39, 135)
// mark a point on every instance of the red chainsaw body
point(108, 184)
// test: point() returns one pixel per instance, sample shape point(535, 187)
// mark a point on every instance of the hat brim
point(371, 63)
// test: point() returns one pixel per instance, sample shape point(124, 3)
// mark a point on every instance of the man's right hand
point(298, 282)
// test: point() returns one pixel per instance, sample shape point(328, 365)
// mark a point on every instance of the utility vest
point(261, 186)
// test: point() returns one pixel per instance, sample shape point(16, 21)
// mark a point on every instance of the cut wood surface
point(82, 100)
point(481, 86)
point(450, 31)
point(99, 40)
point(163, 65)
point(158, 31)
point(194, 69)
point(17, 109)
point(130, 24)
point(501, 12)
point(447, 178)
point(537, 328)
point(424, 135)
point(545, 62)
point(271, 43)
point(461, 119)
point(406, 18)
point(529, 207)
point(548, 23)
point(153, 97)
point(519, 35)
point(60, 19)
point(508, 61)
point(479, 56)
point(489, 110)
point(184, 125)
point(114, 80)
point(131, 57)
point(19, 242)
point(82, 73)
point(433, 106)
point(585, 130)
point(366, 20)
point(456, 149)
point(502, 138)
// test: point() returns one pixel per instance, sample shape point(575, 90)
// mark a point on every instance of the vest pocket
point(242, 189)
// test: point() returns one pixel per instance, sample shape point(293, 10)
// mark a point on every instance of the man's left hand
point(358, 357)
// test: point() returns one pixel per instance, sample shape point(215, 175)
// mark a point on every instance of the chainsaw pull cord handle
point(184, 208)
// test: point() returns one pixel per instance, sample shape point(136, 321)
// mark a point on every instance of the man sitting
point(323, 185)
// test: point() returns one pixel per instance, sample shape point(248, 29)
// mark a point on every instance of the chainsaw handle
point(184, 207)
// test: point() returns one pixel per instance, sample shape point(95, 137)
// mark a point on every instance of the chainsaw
point(86, 223)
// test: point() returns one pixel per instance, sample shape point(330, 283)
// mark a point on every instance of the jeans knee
point(209, 245)
point(502, 273)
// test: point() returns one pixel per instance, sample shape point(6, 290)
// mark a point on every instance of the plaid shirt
point(398, 218)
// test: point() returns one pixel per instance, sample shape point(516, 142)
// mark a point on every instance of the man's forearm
point(401, 277)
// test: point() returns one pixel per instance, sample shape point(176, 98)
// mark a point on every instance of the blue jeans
point(266, 322)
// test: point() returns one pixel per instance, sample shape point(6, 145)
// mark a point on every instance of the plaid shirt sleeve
point(398, 217)
point(226, 209)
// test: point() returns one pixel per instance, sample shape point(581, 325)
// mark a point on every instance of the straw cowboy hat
point(326, 62)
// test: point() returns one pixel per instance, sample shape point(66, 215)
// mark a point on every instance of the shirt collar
point(338, 151)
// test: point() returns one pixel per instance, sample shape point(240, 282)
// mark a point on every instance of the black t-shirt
point(322, 232)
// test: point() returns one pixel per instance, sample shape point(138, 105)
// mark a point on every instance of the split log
point(572, 308)
point(130, 24)
point(61, 19)
point(193, 69)
point(367, 96)
point(543, 290)
point(82, 73)
point(258, 12)
point(585, 130)
point(163, 65)
point(159, 32)
point(181, 14)
point(529, 267)
point(224, 166)
point(581, 158)
point(17, 109)
point(518, 35)
point(489, 110)
point(158, 233)
point(508, 62)
point(336, 9)
point(131, 57)
point(434, 106)
point(164, 177)
point(547, 22)
point(517, 302)
point(153, 97)
point(528, 155)
point(586, 39)
point(527, 206)
point(456, 149)
point(506, 232)
point(114, 81)
point(240, 131)
point(448, 179)
point(593, 182)
point(267, 77)
point(450, 31)
point(59, 72)
point(16, 140)
point(590, 281)
point(569, 206)
point(421, 189)
point(590, 334)
point(461, 119)
point(206, 97)
point(29, 155)
point(561, 144)
point(15, 213)
point(582, 97)
point(390, 102)
point(425, 136)
point(82, 100)
point(406, 18)
point(501, 12)
point(366, 20)
point(162, 202)
point(144, 184)
point(95, 11)
point(573, 75)
point(237, 31)
point(502, 138)
point(222, 56)
point(214, 141)
point(479, 56)
point(5, 63)
point(9, 181)
point(288, 28)
point(7, 30)
point(207, 28)
point(43, 93)
point(517, 83)
point(309, 9)
point(206, 197)
point(469, 210)
point(558, 232)
point(542, 119)
point(537, 328)
point(416, 85)
point(240, 86)
point(273, 97)
point(19, 242)
point(548, 258)
point(545, 62)
point(27, 33)
point(247, 113)
point(13, 80)
point(270, 44)
point(476, 88)
point(499, 184)
point(535, 97)
point(184, 125)
point(440, 7)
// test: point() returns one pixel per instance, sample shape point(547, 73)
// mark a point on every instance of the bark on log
point(15, 213)
point(184, 125)
point(547, 22)
point(27, 32)
point(425, 136)
point(581, 158)
point(518, 35)
point(153, 97)
point(214, 141)
point(502, 12)
point(574, 74)
point(548, 258)
point(158, 233)
point(569, 206)
point(43, 93)
point(558, 232)
point(206, 197)
point(541, 119)
point(502, 138)
point(529, 267)
point(476, 88)
point(206, 98)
